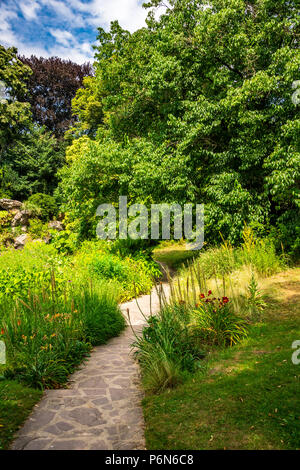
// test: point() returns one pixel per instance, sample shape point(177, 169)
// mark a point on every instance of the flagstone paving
point(101, 408)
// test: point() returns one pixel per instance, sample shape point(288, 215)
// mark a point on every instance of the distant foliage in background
point(30, 164)
point(34, 115)
point(14, 112)
point(195, 107)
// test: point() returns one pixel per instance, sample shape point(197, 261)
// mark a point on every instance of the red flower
point(225, 300)
point(209, 292)
point(202, 296)
point(2, 331)
point(19, 322)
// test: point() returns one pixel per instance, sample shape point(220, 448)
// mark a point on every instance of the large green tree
point(201, 101)
point(30, 165)
point(14, 111)
point(29, 155)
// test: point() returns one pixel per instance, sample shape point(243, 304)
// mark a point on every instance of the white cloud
point(130, 13)
point(62, 37)
point(7, 36)
point(68, 47)
point(29, 9)
point(64, 12)
point(75, 54)
point(71, 14)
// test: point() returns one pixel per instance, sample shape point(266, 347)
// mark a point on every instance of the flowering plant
point(214, 322)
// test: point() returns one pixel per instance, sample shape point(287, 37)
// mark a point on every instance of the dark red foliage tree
point(51, 88)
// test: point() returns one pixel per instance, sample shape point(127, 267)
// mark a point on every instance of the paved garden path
point(101, 408)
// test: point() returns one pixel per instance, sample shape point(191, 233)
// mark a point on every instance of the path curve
point(101, 408)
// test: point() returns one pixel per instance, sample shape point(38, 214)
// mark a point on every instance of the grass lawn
point(173, 255)
point(16, 402)
point(248, 397)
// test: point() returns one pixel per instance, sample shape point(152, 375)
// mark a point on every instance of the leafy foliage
point(30, 164)
point(196, 107)
point(51, 87)
point(14, 112)
point(43, 205)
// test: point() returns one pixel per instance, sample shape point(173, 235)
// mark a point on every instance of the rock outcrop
point(56, 225)
point(10, 204)
point(21, 218)
point(20, 242)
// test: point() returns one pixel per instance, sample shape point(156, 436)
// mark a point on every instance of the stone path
point(101, 409)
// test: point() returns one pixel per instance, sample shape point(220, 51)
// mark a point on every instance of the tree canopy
point(35, 111)
point(14, 111)
point(50, 89)
point(195, 107)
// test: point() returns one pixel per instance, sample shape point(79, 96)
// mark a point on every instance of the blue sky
point(63, 28)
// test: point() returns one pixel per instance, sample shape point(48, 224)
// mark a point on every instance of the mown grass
point(173, 255)
point(247, 397)
point(16, 402)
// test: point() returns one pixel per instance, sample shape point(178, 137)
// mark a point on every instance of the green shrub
point(260, 254)
point(30, 269)
point(110, 267)
point(42, 205)
point(37, 229)
point(99, 315)
point(131, 275)
point(65, 241)
point(5, 219)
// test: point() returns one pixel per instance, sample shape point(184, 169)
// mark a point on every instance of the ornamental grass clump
point(165, 350)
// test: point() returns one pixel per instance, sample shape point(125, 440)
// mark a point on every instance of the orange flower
point(2, 331)
point(19, 322)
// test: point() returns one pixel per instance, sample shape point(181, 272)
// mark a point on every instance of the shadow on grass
point(174, 258)
point(248, 400)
